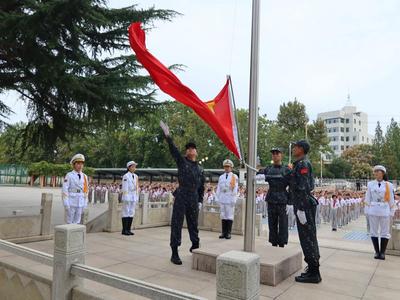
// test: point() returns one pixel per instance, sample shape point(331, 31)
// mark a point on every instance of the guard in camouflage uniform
point(188, 196)
point(305, 206)
point(278, 177)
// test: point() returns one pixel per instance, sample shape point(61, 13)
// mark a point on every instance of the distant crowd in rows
point(338, 208)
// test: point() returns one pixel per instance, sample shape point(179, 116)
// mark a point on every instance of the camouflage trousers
point(277, 224)
point(185, 205)
point(308, 237)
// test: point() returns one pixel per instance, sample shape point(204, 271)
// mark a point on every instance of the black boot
point(223, 232)
point(129, 226)
point(375, 242)
point(194, 247)
point(306, 272)
point(312, 276)
point(175, 259)
point(384, 243)
point(124, 226)
point(228, 229)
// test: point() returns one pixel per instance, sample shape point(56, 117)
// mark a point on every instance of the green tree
point(360, 157)
point(67, 61)
point(378, 144)
point(391, 150)
point(339, 168)
point(292, 118)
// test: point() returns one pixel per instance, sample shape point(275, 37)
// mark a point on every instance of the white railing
point(131, 285)
point(135, 286)
point(28, 253)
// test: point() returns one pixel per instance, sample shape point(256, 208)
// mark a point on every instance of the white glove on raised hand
point(288, 207)
point(164, 128)
point(302, 217)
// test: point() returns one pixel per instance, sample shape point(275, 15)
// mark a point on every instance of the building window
point(342, 138)
point(342, 147)
point(354, 138)
point(342, 120)
point(329, 121)
point(347, 121)
point(341, 129)
point(347, 129)
point(355, 121)
point(368, 140)
point(355, 130)
point(359, 123)
point(362, 138)
point(347, 147)
point(347, 139)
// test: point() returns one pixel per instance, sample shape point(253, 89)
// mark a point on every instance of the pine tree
point(70, 61)
point(378, 144)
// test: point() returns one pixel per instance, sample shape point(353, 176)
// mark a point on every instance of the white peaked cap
point(77, 157)
point(130, 163)
point(228, 162)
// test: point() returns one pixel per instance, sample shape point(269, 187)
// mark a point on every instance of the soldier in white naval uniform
point(75, 190)
point(130, 196)
point(227, 191)
point(380, 207)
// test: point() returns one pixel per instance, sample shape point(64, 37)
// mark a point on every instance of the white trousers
point(128, 209)
point(227, 211)
point(379, 226)
point(74, 214)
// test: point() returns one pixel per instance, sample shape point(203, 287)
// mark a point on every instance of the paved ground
point(347, 266)
point(346, 274)
point(27, 199)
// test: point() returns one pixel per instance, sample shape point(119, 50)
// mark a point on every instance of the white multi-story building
point(345, 128)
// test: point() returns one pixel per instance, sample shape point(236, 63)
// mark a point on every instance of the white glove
point(288, 207)
point(200, 205)
point(164, 128)
point(302, 217)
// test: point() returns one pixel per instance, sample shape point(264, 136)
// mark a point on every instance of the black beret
point(303, 144)
point(276, 149)
point(190, 145)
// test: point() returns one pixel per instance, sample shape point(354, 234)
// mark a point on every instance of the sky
point(317, 51)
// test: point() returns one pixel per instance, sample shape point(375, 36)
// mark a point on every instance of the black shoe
point(312, 276)
point(228, 229)
point(124, 226)
point(384, 243)
point(281, 245)
point(129, 226)
point(375, 242)
point(274, 245)
point(175, 259)
point(223, 232)
point(334, 229)
point(194, 247)
point(306, 272)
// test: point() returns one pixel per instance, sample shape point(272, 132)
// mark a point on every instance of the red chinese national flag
point(218, 113)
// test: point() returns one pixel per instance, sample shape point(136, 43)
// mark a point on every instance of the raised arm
point(172, 148)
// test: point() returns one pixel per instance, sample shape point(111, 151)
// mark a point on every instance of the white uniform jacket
point(75, 189)
point(227, 189)
point(375, 199)
point(130, 187)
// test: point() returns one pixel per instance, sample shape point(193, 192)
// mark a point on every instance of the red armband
point(303, 171)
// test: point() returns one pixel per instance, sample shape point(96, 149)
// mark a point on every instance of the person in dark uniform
point(188, 196)
point(305, 207)
point(278, 177)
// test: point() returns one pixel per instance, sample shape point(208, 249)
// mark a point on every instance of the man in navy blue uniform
point(188, 196)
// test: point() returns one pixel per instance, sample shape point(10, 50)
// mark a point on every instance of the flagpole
point(249, 229)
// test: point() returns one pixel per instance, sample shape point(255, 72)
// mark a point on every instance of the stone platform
point(276, 264)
